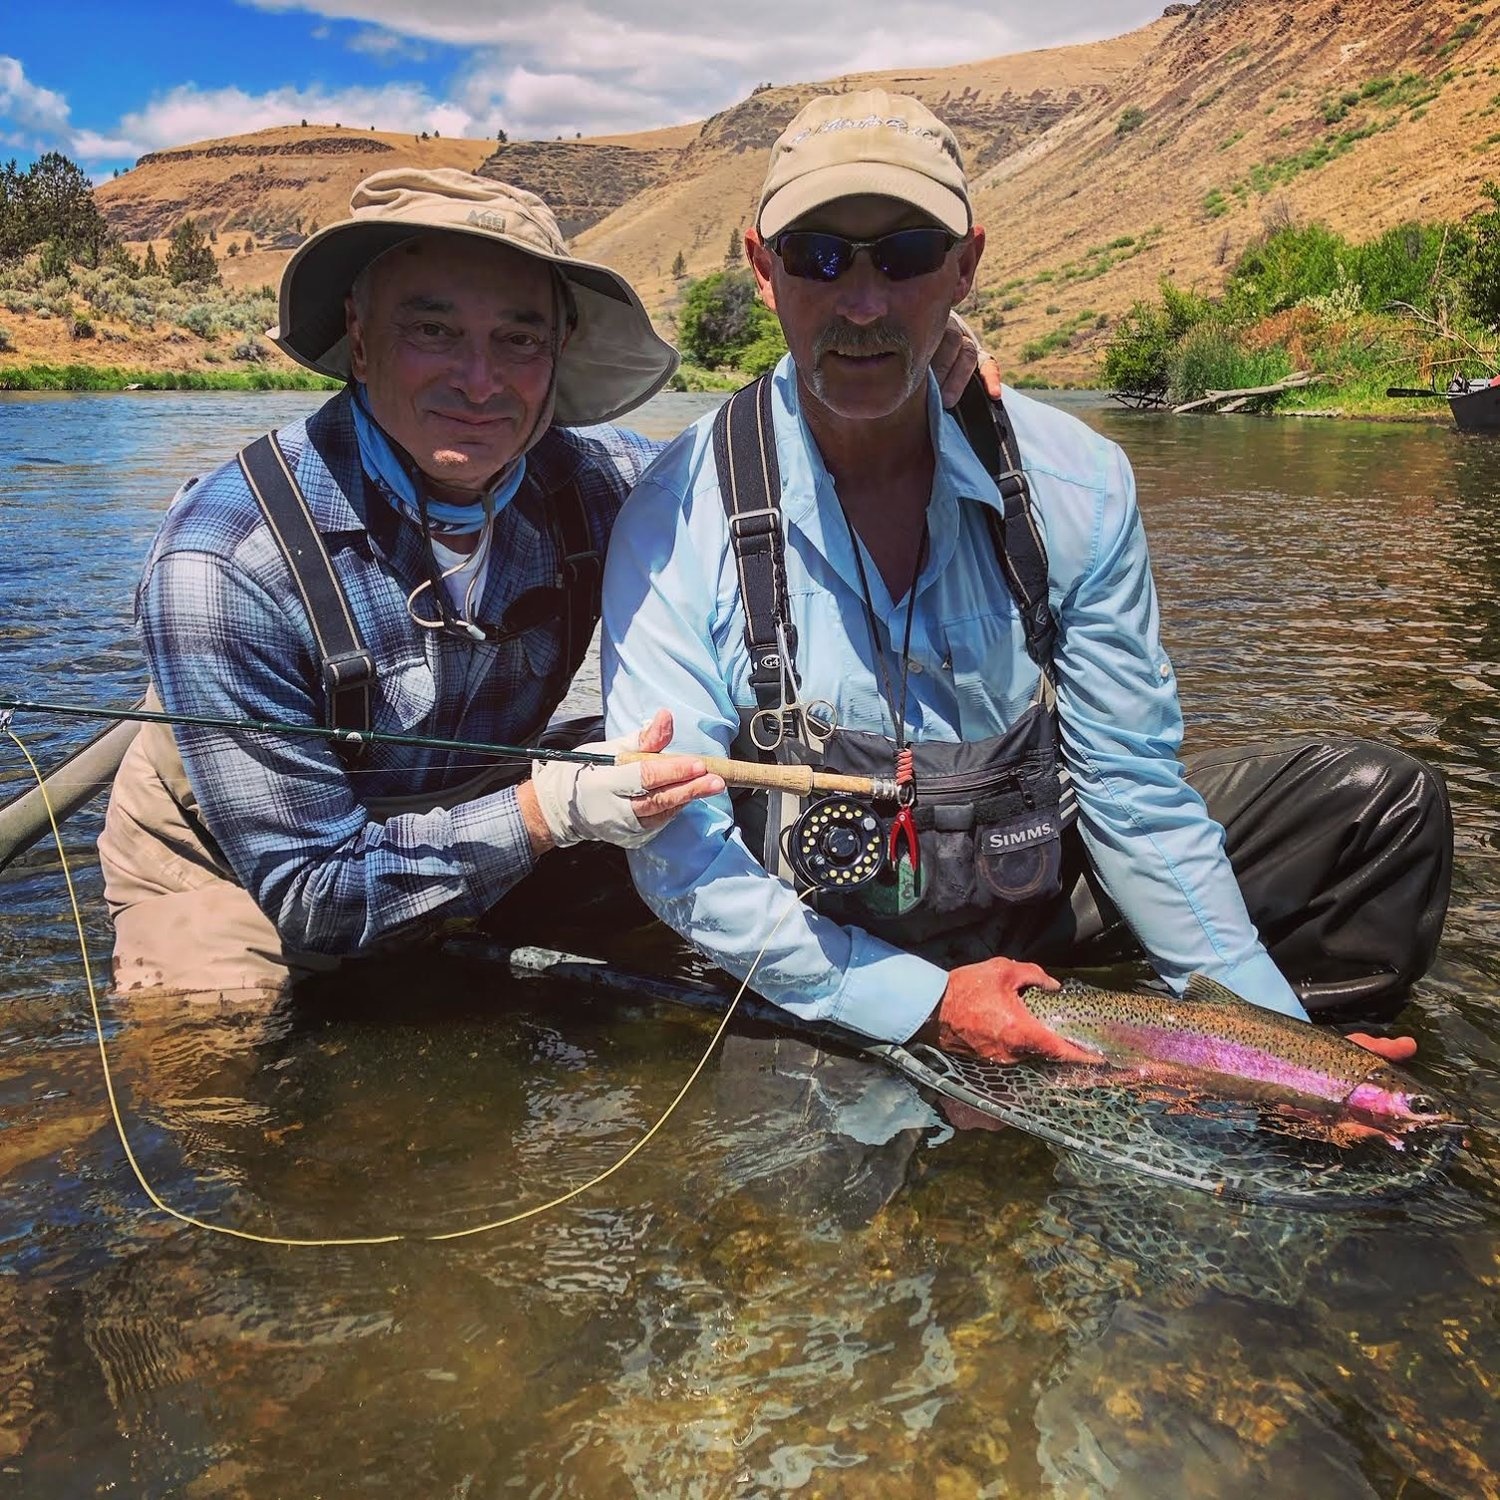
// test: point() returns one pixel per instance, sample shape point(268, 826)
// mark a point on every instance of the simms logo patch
point(998, 840)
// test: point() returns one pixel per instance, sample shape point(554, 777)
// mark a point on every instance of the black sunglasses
point(816, 256)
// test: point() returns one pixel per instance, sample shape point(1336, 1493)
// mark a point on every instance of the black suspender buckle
point(747, 525)
point(350, 669)
point(1012, 486)
point(576, 564)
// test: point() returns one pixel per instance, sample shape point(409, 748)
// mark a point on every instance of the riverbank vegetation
point(726, 334)
point(37, 377)
point(64, 272)
point(1414, 307)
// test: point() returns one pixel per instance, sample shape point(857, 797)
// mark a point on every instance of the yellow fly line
point(405, 1236)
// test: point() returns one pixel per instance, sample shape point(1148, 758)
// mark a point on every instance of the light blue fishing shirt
point(674, 638)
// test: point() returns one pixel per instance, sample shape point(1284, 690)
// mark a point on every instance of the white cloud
point(694, 57)
point(39, 113)
point(534, 68)
point(386, 46)
point(187, 114)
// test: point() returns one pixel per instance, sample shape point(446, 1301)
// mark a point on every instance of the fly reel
point(836, 844)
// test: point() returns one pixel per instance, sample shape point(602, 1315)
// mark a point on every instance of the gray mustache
point(858, 340)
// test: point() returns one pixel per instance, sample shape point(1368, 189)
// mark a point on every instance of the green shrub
point(1480, 277)
point(1132, 117)
point(1282, 269)
point(201, 318)
point(723, 319)
point(6, 345)
point(1138, 356)
point(1401, 264)
point(1210, 358)
point(764, 353)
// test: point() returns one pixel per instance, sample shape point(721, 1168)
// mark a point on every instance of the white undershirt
point(472, 567)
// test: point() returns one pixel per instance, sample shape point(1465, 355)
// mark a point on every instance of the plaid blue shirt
point(226, 636)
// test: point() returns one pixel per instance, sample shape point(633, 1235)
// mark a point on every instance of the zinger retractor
point(836, 844)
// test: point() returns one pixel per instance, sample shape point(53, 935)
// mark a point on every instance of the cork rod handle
point(800, 780)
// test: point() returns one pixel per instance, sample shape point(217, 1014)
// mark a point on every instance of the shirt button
point(1164, 671)
point(916, 668)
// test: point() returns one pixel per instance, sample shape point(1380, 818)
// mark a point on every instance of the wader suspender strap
point(1018, 543)
point(582, 572)
point(750, 486)
point(347, 667)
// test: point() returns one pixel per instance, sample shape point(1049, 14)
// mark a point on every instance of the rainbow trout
point(1212, 1038)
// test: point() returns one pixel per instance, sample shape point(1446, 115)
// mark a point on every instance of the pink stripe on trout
point(1211, 1034)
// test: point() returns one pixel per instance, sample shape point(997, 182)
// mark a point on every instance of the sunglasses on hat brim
point(814, 255)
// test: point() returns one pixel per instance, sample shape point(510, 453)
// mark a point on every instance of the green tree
point(679, 267)
point(13, 225)
point(1480, 278)
point(55, 261)
point(190, 257)
point(52, 200)
point(724, 322)
point(150, 266)
point(1138, 360)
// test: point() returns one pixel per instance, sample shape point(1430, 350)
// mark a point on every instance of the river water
point(803, 1285)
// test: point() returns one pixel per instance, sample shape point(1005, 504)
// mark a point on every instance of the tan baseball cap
point(614, 359)
point(868, 142)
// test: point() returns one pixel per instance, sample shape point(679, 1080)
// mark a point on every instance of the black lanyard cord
point(897, 711)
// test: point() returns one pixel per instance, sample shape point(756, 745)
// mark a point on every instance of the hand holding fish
point(1391, 1048)
point(981, 1012)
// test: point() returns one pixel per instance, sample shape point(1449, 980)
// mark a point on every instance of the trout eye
point(1423, 1104)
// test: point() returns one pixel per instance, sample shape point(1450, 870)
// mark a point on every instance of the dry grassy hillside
point(1096, 168)
point(995, 107)
point(1361, 113)
point(268, 184)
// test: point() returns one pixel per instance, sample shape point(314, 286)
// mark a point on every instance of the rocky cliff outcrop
point(326, 145)
point(581, 181)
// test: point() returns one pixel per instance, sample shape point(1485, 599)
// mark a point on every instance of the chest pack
point(346, 665)
point(985, 819)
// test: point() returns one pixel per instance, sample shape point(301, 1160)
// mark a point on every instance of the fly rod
point(797, 779)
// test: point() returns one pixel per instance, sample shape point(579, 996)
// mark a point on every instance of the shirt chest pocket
point(993, 678)
point(406, 695)
point(542, 648)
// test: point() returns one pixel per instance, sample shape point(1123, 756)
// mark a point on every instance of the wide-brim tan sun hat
point(614, 359)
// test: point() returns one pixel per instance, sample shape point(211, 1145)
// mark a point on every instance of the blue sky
point(106, 82)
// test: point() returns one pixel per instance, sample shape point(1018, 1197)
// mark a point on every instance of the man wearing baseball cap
point(833, 571)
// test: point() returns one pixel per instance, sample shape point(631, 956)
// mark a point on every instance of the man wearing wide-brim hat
point(463, 502)
point(421, 556)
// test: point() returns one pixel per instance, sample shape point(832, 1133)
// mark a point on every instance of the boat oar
point(71, 784)
point(1409, 390)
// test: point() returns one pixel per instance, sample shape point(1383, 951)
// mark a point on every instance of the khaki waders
point(182, 921)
